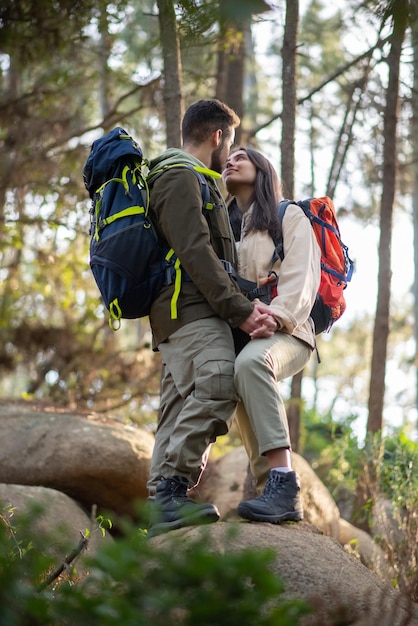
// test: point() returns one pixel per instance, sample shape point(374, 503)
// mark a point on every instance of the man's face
point(221, 153)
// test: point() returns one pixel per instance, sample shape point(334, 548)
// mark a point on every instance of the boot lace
point(272, 486)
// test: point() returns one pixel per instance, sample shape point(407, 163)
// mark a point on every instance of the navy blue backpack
point(129, 263)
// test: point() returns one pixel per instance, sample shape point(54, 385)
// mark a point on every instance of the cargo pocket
point(214, 377)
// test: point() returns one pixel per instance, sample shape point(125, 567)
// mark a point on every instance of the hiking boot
point(279, 502)
point(173, 509)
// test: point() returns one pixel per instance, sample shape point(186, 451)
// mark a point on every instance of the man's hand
point(261, 322)
point(267, 324)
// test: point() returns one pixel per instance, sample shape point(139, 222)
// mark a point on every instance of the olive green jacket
point(199, 239)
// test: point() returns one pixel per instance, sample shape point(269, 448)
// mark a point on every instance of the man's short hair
point(205, 117)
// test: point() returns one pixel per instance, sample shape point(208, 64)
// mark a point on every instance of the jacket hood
point(175, 156)
point(172, 156)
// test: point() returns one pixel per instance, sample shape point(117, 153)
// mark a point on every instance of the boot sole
point(291, 516)
point(163, 527)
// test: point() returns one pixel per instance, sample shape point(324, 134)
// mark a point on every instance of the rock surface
point(57, 516)
point(95, 463)
point(313, 567)
point(95, 460)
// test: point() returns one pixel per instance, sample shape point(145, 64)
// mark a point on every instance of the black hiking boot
point(173, 509)
point(279, 502)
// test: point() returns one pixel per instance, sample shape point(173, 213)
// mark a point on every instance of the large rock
point(49, 520)
point(319, 506)
point(224, 479)
point(363, 546)
point(223, 482)
point(95, 463)
point(313, 567)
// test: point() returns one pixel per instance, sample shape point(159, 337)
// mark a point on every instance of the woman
point(284, 345)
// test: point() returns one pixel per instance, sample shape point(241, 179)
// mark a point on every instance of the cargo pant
point(198, 398)
point(261, 415)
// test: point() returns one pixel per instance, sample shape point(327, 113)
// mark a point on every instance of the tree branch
point(82, 545)
point(339, 72)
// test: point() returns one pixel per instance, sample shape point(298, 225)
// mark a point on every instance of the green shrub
point(383, 474)
point(131, 582)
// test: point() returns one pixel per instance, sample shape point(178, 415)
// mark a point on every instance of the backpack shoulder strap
point(279, 250)
point(206, 206)
point(283, 204)
point(199, 172)
point(204, 187)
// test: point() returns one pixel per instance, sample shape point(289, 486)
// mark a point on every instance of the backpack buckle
point(228, 267)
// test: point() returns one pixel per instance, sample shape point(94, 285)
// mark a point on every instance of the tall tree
point(414, 140)
point(234, 39)
point(398, 12)
point(104, 52)
point(173, 97)
point(287, 172)
point(331, 53)
point(289, 78)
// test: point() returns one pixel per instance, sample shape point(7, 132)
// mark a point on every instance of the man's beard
point(216, 162)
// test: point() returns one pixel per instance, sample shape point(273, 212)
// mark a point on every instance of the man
point(192, 327)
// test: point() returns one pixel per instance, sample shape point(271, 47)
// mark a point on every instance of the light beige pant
point(198, 398)
point(261, 414)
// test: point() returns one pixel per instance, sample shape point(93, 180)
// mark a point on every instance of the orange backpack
point(336, 266)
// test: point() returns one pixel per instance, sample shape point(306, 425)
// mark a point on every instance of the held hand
point(267, 326)
point(262, 308)
point(261, 322)
point(268, 323)
point(251, 323)
point(266, 330)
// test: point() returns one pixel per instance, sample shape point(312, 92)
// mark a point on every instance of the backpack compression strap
point(133, 210)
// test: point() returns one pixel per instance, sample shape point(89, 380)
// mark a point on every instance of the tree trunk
point(345, 135)
point(381, 326)
point(105, 47)
point(414, 140)
point(287, 146)
point(221, 70)
point(173, 100)
point(233, 37)
point(287, 173)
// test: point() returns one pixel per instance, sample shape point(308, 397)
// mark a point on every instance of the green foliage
point(392, 469)
point(399, 471)
point(394, 459)
point(318, 431)
point(384, 472)
point(338, 465)
point(321, 40)
point(21, 569)
point(132, 581)
point(39, 31)
point(236, 10)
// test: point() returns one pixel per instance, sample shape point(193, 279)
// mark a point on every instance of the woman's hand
point(267, 324)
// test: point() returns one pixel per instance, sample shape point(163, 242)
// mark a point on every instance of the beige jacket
point(299, 273)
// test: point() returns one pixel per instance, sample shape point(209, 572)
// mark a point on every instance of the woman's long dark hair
point(266, 198)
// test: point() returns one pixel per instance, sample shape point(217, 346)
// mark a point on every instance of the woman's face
point(238, 171)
